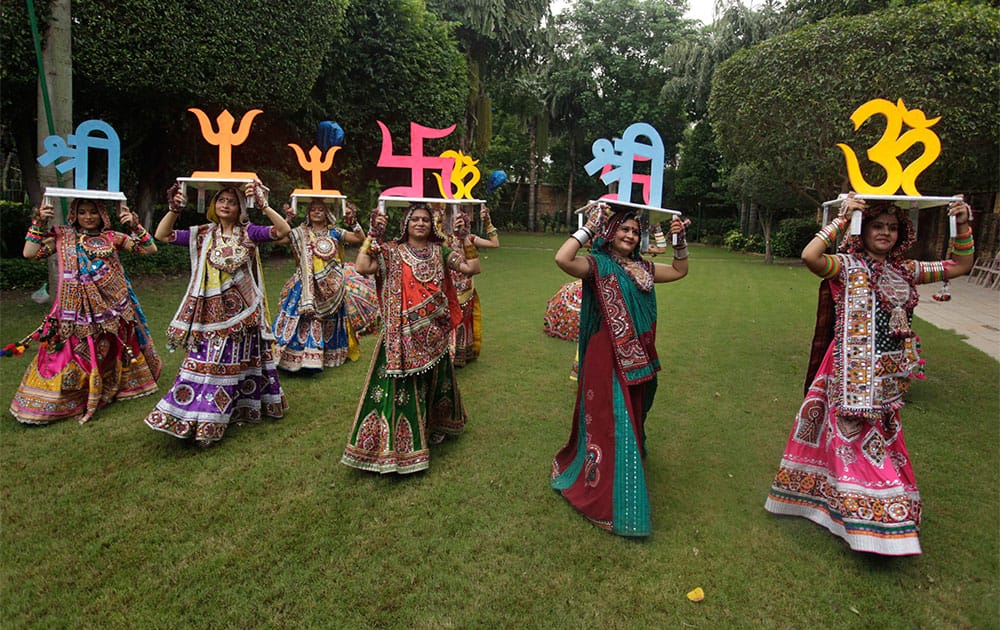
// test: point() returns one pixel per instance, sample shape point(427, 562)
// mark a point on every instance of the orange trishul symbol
point(316, 164)
point(225, 138)
point(891, 145)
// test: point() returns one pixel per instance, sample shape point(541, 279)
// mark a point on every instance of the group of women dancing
point(845, 465)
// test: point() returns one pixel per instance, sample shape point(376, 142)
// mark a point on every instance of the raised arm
point(566, 257)
point(176, 202)
point(814, 253)
point(679, 267)
point(140, 236)
point(492, 240)
point(281, 227)
point(366, 263)
point(962, 247)
point(354, 234)
point(568, 261)
point(37, 238)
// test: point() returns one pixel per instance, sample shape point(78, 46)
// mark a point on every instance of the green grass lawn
point(111, 524)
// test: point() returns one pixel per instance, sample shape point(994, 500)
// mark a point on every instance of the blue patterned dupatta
point(600, 471)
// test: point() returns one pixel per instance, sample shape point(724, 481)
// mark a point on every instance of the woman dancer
point(312, 329)
point(94, 345)
point(228, 374)
point(467, 337)
point(845, 465)
point(599, 471)
point(411, 398)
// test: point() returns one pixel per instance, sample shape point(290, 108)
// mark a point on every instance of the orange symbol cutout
point(225, 138)
point(316, 164)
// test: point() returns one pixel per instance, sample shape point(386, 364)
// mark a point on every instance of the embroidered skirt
point(562, 313)
point(600, 471)
point(467, 337)
point(306, 342)
point(398, 418)
point(852, 476)
point(222, 380)
point(80, 378)
point(362, 301)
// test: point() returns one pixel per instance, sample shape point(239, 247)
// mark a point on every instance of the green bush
point(169, 260)
point(18, 273)
point(713, 231)
point(734, 240)
point(792, 236)
point(16, 219)
point(754, 244)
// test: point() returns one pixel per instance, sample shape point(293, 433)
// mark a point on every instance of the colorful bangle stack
point(831, 268)
point(830, 234)
point(141, 236)
point(491, 230)
point(44, 252)
point(35, 234)
point(962, 245)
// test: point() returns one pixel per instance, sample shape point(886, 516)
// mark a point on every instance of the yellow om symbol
point(891, 145)
point(465, 167)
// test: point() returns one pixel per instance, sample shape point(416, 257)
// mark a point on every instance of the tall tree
point(498, 38)
point(133, 56)
point(698, 167)
point(396, 62)
point(784, 105)
point(607, 68)
point(692, 61)
point(19, 86)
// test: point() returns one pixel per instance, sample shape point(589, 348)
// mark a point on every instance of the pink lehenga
point(846, 466)
point(95, 346)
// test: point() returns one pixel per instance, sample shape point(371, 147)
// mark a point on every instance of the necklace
point(323, 246)
point(638, 271)
point(228, 253)
point(894, 294)
point(423, 263)
point(96, 245)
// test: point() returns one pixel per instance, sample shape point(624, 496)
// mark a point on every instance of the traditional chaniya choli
point(312, 329)
point(362, 301)
point(562, 312)
point(229, 374)
point(467, 336)
point(845, 465)
point(411, 397)
point(562, 318)
point(95, 346)
point(599, 470)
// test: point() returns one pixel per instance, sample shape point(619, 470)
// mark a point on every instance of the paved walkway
point(973, 312)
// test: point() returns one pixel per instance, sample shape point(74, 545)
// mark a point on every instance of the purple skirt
point(222, 380)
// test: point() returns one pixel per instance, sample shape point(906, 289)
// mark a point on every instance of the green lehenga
point(411, 398)
point(399, 417)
